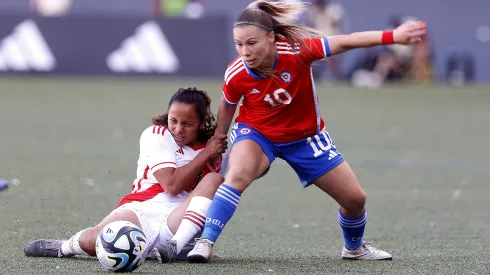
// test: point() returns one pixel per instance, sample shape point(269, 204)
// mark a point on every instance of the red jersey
point(283, 109)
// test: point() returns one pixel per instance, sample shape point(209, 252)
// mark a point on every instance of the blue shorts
point(310, 157)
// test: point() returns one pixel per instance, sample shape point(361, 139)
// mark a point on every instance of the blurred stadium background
point(91, 37)
point(80, 80)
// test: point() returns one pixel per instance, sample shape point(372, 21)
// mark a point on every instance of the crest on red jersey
point(286, 77)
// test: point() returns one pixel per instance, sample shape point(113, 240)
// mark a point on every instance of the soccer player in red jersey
point(280, 117)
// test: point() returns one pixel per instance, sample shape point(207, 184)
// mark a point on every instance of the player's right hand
point(216, 145)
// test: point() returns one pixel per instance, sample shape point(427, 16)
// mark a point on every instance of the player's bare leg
point(82, 243)
point(187, 220)
point(342, 185)
point(247, 162)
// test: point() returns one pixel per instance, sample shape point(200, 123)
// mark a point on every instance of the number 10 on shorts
point(317, 143)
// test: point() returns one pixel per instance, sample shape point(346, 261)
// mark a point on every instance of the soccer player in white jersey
point(180, 167)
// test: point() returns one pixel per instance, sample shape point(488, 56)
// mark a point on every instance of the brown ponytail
point(277, 17)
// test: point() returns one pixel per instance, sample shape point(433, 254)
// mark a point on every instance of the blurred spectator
point(326, 17)
point(51, 7)
point(460, 68)
point(421, 62)
point(178, 8)
point(393, 63)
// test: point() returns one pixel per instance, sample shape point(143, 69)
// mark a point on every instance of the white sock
point(192, 222)
point(72, 246)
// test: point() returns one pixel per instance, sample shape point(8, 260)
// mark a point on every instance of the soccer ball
point(121, 246)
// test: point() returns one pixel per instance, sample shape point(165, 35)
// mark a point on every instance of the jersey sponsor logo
point(286, 77)
point(332, 154)
point(146, 51)
point(180, 151)
point(255, 91)
point(25, 49)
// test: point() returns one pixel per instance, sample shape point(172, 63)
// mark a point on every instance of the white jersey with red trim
point(158, 150)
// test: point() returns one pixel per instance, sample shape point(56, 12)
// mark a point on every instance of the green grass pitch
point(421, 153)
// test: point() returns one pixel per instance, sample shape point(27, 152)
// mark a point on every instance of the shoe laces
point(203, 244)
point(53, 245)
point(172, 243)
point(367, 246)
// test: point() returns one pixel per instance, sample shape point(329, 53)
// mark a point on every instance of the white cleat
point(365, 252)
point(202, 251)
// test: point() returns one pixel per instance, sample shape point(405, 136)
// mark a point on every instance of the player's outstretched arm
point(410, 32)
point(225, 117)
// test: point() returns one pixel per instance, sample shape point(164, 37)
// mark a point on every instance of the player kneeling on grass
point(176, 181)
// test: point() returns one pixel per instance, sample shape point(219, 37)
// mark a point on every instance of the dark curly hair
point(202, 102)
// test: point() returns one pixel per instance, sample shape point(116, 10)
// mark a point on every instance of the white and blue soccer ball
point(121, 246)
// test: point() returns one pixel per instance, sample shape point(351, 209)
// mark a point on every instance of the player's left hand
point(410, 32)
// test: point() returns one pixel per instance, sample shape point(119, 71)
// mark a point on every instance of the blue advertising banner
point(112, 45)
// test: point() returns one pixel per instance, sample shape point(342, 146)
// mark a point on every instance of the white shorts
point(152, 215)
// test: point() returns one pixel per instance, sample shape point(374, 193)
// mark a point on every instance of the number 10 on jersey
point(280, 96)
